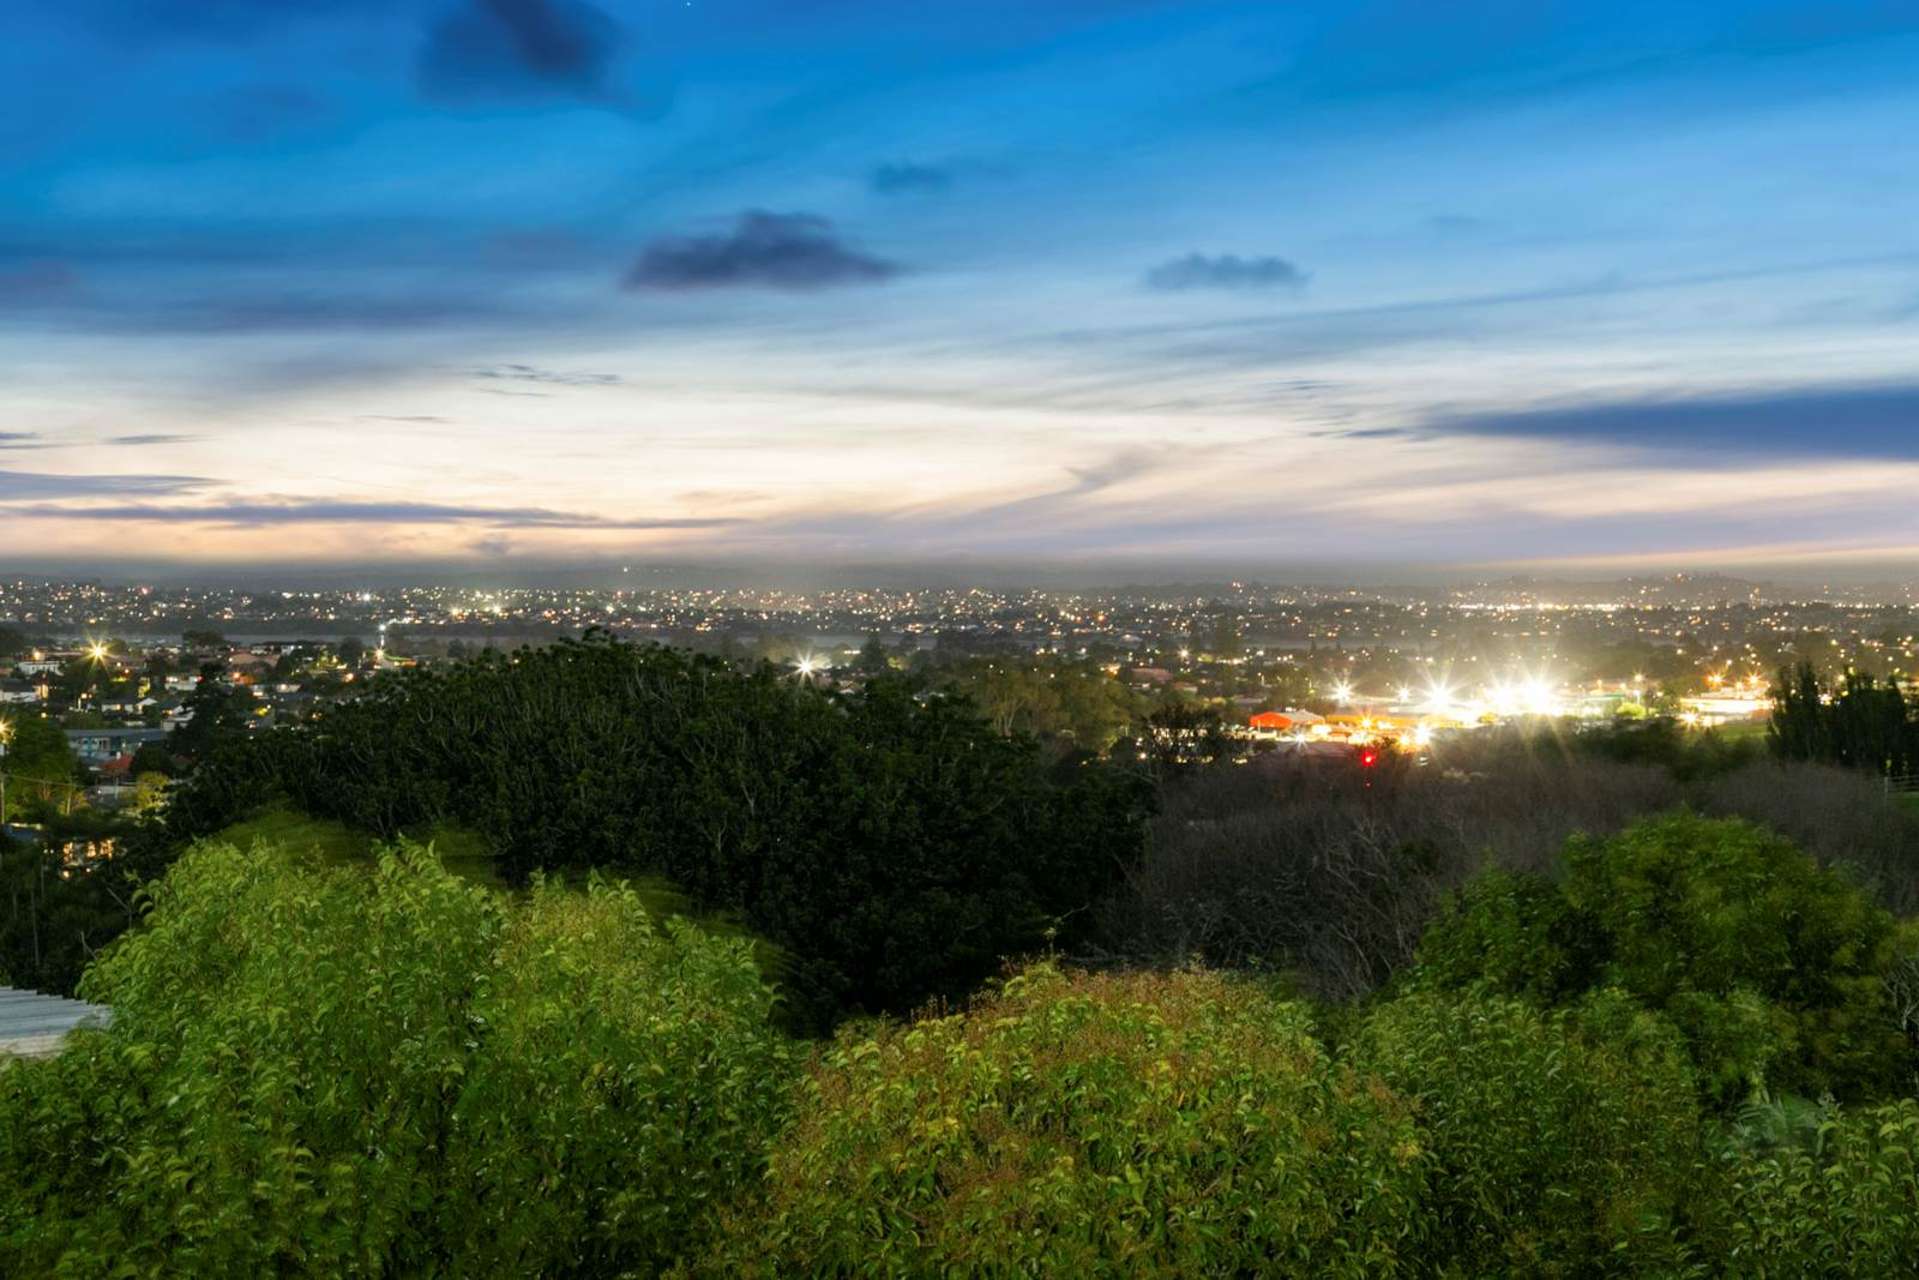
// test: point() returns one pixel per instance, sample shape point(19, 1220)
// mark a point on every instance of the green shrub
point(1514, 933)
point(1845, 1205)
point(1773, 967)
point(1696, 911)
point(895, 849)
point(1561, 1141)
point(335, 1073)
point(1089, 1125)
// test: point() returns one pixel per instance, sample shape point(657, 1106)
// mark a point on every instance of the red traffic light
point(1369, 758)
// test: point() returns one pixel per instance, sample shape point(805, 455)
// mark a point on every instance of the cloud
point(1880, 420)
point(37, 282)
point(17, 440)
point(1228, 271)
point(557, 377)
point(496, 48)
point(266, 513)
point(908, 178)
point(152, 438)
point(16, 485)
point(1128, 464)
point(403, 417)
point(796, 251)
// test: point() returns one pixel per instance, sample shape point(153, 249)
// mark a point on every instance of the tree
point(1558, 1143)
point(1864, 724)
point(218, 712)
point(13, 642)
point(1079, 1125)
point(352, 651)
point(1771, 965)
point(41, 767)
point(873, 660)
point(895, 849)
point(391, 1072)
point(202, 639)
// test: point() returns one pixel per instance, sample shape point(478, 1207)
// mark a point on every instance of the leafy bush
point(1090, 1125)
point(1773, 967)
point(338, 1073)
point(1561, 1141)
point(1696, 911)
point(894, 849)
point(1845, 1205)
point(1516, 934)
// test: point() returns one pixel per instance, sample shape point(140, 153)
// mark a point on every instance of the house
point(96, 746)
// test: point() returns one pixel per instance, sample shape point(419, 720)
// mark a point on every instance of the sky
point(1045, 282)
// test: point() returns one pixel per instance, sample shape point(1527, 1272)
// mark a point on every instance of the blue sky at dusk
point(1057, 281)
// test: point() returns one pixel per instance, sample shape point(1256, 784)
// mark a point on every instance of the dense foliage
point(343, 1073)
point(1772, 966)
point(1864, 723)
point(1554, 1141)
point(894, 847)
point(387, 1070)
point(1124, 1126)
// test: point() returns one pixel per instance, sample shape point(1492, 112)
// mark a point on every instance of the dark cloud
point(1365, 433)
point(1228, 271)
point(492, 48)
point(340, 512)
point(17, 485)
point(795, 251)
point(1855, 421)
point(149, 439)
point(907, 178)
point(31, 283)
point(16, 440)
point(558, 377)
point(1123, 466)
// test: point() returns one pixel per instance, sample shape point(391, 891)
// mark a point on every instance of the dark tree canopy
point(893, 847)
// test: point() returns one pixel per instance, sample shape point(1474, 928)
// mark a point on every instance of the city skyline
point(539, 282)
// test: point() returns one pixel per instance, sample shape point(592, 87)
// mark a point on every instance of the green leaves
point(337, 1073)
point(1089, 1125)
point(894, 850)
point(1771, 965)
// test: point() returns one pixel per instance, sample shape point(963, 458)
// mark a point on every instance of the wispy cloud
point(16, 485)
point(796, 251)
point(1228, 271)
point(556, 377)
point(149, 438)
point(268, 513)
point(1880, 420)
